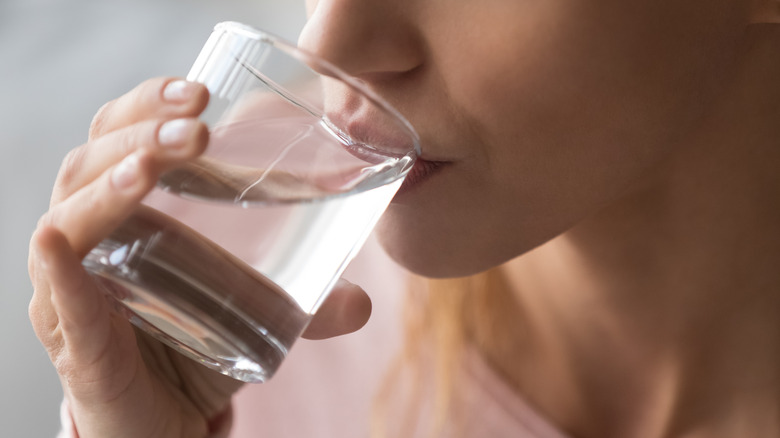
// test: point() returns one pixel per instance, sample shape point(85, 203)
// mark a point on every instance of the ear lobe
point(765, 11)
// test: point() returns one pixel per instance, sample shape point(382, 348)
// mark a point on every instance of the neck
point(666, 322)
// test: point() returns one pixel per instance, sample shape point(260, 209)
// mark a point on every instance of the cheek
point(569, 107)
point(579, 102)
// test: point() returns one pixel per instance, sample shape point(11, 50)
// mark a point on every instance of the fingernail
point(175, 132)
point(125, 174)
point(179, 91)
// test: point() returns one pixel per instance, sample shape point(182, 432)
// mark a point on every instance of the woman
point(609, 171)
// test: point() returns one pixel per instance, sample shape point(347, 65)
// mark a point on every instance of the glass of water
point(227, 260)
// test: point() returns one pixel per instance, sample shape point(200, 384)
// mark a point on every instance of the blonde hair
point(443, 318)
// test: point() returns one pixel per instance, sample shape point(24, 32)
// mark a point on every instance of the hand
point(120, 382)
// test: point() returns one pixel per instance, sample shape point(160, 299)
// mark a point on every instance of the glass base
point(213, 342)
point(194, 296)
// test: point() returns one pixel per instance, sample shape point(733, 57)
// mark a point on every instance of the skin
point(630, 145)
point(620, 160)
point(567, 98)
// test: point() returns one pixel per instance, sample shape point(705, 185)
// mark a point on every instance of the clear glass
point(227, 260)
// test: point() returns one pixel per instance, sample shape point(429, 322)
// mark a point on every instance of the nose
point(369, 39)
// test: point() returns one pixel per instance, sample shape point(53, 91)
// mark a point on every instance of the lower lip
point(420, 172)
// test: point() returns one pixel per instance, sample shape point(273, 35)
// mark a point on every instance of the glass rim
point(332, 70)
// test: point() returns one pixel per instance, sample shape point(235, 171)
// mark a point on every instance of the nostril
point(363, 40)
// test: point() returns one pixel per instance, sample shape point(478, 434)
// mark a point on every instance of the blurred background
point(60, 60)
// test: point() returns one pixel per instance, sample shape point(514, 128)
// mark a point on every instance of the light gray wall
point(60, 60)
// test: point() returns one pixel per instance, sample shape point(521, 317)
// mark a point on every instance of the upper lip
point(362, 131)
point(363, 123)
point(375, 133)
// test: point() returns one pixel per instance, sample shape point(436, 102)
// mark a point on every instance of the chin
point(437, 255)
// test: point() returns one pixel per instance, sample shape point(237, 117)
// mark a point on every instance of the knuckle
point(133, 138)
point(148, 94)
point(91, 201)
point(62, 361)
point(35, 311)
point(153, 86)
point(45, 324)
point(70, 167)
point(34, 253)
point(99, 123)
point(32, 269)
point(32, 261)
point(47, 219)
point(137, 136)
point(140, 138)
point(112, 112)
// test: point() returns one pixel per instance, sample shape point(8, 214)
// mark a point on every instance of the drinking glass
point(229, 257)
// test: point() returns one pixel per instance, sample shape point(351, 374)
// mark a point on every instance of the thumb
point(345, 310)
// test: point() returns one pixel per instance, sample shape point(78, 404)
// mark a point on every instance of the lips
point(375, 128)
point(368, 131)
point(373, 143)
point(421, 171)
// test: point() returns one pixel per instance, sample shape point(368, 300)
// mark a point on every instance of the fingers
point(170, 142)
point(132, 141)
point(160, 100)
point(87, 216)
point(81, 221)
point(93, 349)
point(163, 98)
point(346, 310)
point(108, 177)
point(82, 316)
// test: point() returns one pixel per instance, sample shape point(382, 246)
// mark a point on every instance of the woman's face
point(532, 114)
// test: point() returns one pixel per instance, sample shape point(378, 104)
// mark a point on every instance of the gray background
point(60, 60)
